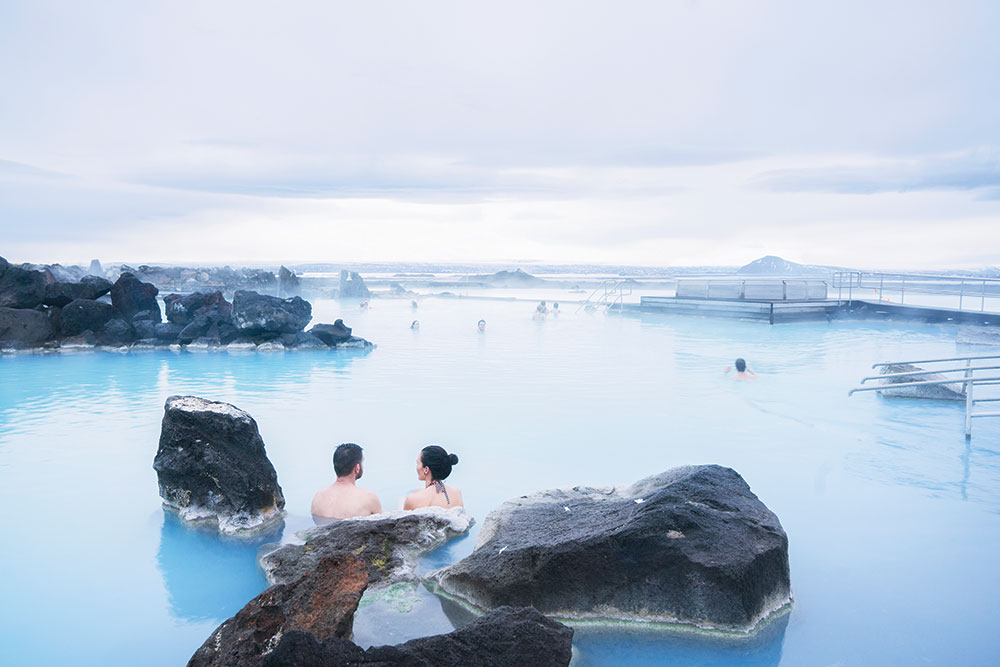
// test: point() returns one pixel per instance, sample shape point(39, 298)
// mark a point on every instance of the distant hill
point(776, 266)
point(515, 278)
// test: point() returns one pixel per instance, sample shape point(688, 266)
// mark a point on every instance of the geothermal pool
point(893, 518)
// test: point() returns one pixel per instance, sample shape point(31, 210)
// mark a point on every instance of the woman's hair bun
point(453, 459)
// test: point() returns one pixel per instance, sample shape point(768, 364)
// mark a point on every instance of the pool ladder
point(968, 379)
point(614, 293)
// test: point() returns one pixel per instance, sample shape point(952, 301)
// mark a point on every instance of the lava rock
point(183, 309)
point(389, 543)
point(321, 603)
point(289, 284)
point(21, 288)
point(86, 339)
point(945, 392)
point(95, 268)
point(978, 335)
point(24, 327)
point(690, 545)
point(198, 327)
point(129, 295)
point(212, 466)
point(227, 333)
point(307, 341)
point(146, 316)
point(115, 333)
point(253, 312)
point(4, 265)
point(505, 637)
point(89, 287)
point(332, 334)
point(167, 332)
point(82, 315)
point(352, 286)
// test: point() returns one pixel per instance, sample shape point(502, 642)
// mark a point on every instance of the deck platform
point(778, 311)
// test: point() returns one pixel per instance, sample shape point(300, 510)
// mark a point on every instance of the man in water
point(481, 325)
point(742, 371)
point(344, 499)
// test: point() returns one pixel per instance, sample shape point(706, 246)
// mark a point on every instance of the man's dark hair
point(741, 365)
point(345, 458)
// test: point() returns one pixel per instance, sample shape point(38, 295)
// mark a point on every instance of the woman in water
point(433, 467)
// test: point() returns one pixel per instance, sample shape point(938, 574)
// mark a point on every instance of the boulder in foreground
point(388, 543)
point(505, 637)
point(24, 326)
point(212, 466)
point(321, 603)
point(691, 545)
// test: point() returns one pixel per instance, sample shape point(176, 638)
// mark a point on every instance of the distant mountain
point(515, 278)
point(776, 266)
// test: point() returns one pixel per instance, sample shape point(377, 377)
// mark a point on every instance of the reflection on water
point(207, 576)
point(595, 645)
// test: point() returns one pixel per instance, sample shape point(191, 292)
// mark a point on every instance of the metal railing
point(968, 380)
point(614, 293)
point(895, 287)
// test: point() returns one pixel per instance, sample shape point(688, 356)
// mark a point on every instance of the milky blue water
point(893, 518)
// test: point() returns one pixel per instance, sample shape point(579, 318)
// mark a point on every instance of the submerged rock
point(978, 335)
point(129, 295)
point(352, 286)
point(212, 466)
point(21, 288)
point(388, 543)
point(505, 637)
point(321, 603)
point(946, 392)
point(256, 313)
point(691, 545)
point(89, 287)
point(24, 327)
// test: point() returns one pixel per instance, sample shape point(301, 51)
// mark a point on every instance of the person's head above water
point(415, 324)
point(434, 460)
point(348, 458)
point(482, 325)
point(741, 365)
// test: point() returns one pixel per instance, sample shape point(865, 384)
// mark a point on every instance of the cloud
point(968, 171)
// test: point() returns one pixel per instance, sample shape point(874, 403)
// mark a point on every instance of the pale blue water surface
point(893, 518)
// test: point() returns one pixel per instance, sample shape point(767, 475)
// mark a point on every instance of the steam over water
point(893, 519)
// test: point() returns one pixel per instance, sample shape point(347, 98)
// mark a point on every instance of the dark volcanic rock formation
point(21, 288)
point(388, 543)
point(24, 326)
point(690, 545)
point(84, 315)
point(289, 284)
point(945, 392)
point(352, 286)
point(89, 287)
point(116, 332)
point(321, 603)
point(212, 466)
point(506, 637)
point(182, 309)
point(129, 295)
point(332, 334)
point(4, 265)
point(257, 313)
point(515, 278)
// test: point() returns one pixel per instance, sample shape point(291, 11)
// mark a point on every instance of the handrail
point(993, 379)
point(962, 369)
point(930, 361)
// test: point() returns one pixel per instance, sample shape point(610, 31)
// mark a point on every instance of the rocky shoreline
point(41, 314)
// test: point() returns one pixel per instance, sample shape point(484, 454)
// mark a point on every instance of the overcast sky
point(659, 133)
